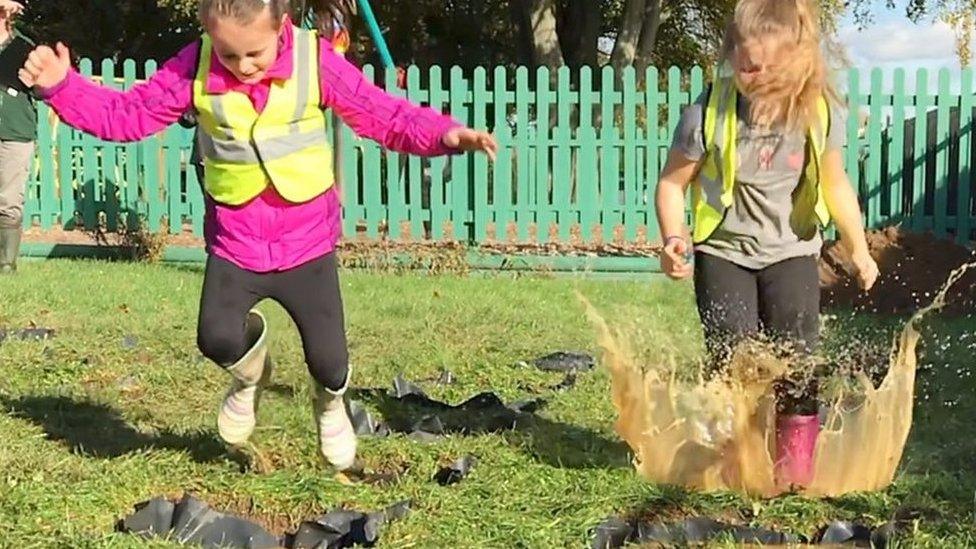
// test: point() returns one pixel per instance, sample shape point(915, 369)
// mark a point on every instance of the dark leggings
point(310, 294)
point(781, 302)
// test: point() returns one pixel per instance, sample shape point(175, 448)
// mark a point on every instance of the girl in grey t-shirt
point(762, 152)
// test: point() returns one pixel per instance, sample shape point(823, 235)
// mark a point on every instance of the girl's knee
point(329, 367)
point(220, 346)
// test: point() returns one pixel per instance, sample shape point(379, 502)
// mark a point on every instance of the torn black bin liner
point(701, 529)
point(456, 471)
point(616, 532)
point(404, 389)
point(612, 533)
point(192, 522)
point(484, 412)
point(858, 535)
point(567, 383)
point(565, 361)
point(363, 422)
point(345, 528)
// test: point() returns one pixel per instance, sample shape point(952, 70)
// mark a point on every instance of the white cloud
point(893, 43)
point(897, 43)
point(900, 41)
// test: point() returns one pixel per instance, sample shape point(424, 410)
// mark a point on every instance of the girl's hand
point(466, 139)
point(46, 68)
point(673, 261)
point(865, 268)
point(10, 9)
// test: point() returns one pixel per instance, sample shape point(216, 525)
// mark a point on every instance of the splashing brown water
point(720, 434)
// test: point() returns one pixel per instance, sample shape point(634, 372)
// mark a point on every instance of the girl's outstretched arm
point(142, 111)
point(844, 209)
point(395, 123)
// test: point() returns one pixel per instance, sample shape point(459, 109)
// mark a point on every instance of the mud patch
point(913, 267)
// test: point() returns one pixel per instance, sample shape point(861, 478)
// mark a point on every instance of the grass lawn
point(120, 407)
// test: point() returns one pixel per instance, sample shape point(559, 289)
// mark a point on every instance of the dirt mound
point(913, 268)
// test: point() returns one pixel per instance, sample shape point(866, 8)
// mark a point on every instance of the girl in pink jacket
point(259, 87)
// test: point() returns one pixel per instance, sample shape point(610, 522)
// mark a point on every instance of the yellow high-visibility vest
point(715, 182)
point(285, 145)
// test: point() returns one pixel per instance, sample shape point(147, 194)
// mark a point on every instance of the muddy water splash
point(720, 434)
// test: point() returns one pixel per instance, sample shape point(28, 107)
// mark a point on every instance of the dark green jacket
point(18, 116)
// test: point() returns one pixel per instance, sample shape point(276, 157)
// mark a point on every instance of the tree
point(550, 33)
point(130, 29)
point(634, 27)
point(536, 20)
point(136, 29)
point(636, 33)
point(467, 33)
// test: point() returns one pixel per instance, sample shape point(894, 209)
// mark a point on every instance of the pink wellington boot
point(796, 440)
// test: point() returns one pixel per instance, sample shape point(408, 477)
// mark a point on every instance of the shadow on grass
point(557, 444)
point(97, 430)
point(197, 268)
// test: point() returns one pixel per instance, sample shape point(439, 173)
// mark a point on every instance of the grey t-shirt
point(756, 232)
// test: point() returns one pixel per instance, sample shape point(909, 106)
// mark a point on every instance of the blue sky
point(893, 41)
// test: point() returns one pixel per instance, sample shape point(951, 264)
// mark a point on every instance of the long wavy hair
point(796, 74)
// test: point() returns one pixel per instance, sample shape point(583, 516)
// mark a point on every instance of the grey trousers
point(15, 161)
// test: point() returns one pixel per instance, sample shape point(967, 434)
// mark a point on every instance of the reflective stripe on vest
point(286, 144)
point(712, 190)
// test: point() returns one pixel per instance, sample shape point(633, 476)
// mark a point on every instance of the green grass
point(91, 426)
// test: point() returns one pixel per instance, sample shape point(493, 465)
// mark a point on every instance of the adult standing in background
point(18, 132)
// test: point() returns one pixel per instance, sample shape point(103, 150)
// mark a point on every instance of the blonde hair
point(789, 89)
point(242, 11)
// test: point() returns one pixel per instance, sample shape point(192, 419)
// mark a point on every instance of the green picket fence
point(579, 159)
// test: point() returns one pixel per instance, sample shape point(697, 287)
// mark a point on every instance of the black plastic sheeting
point(26, 334)
point(482, 413)
point(191, 521)
point(343, 528)
point(616, 532)
point(859, 535)
point(567, 383)
point(565, 361)
point(363, 422)
point(455, 472)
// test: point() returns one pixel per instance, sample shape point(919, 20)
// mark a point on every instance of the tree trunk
point(524, 48)
point(569, 29)
point(628, 36)
point(648, 36)
point(579, 32)
point(590, 36)
point(538, 24)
